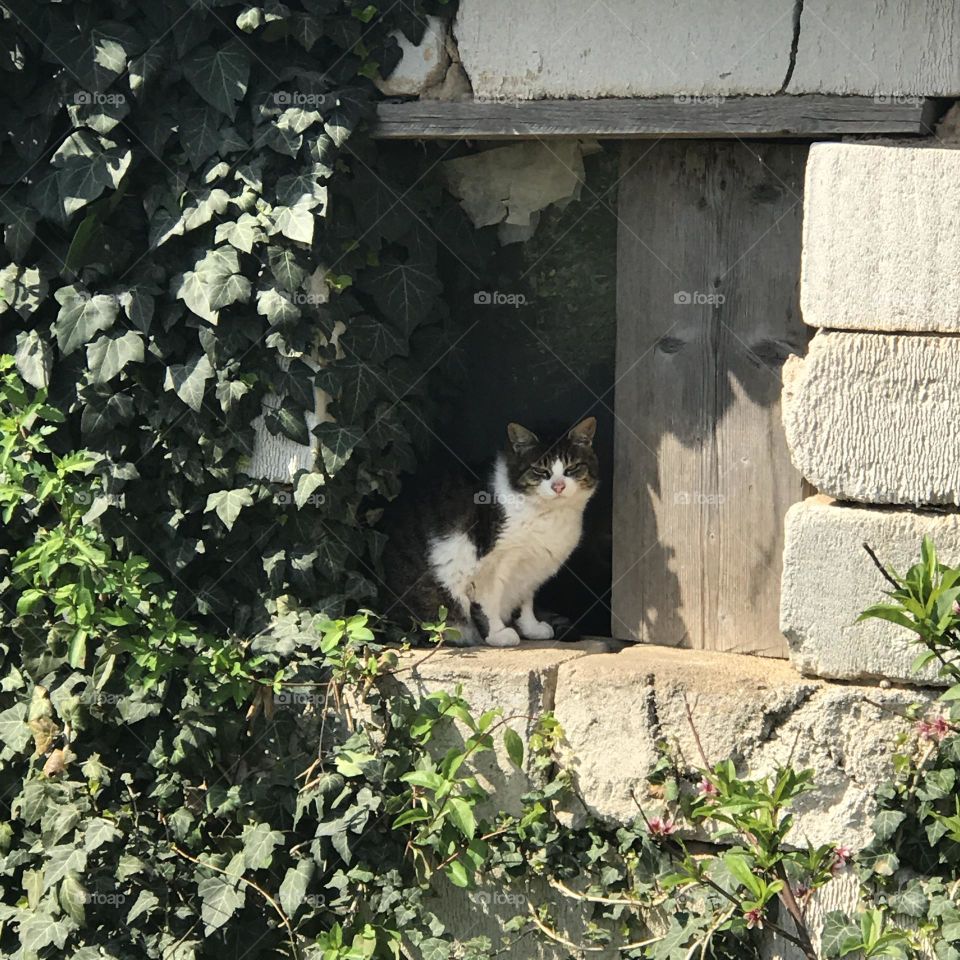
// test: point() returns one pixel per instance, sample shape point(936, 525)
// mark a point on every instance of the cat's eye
point(539, 474)
point(575, 470)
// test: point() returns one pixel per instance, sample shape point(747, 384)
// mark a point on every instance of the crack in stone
point(794, 45)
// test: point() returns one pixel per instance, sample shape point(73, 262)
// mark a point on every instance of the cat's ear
point(520, 437)
point(583, 432)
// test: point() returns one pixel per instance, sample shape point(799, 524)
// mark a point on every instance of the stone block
point(895, 47)
point(828, 579)
point(881, 238)
point(623, 48)
point(872, 417)
point(521, 682)
point(759, 712)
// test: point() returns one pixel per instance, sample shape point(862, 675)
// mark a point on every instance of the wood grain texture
point(691, 117)
point(702, 475)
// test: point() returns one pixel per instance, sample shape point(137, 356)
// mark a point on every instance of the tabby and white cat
point(483, 553)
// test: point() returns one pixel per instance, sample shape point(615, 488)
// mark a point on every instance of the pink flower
point(754, 918)
point(707, 788)
point(840, 857)
point(802, 892)
point(956, 608)
point(660, 827)
point(935, 728)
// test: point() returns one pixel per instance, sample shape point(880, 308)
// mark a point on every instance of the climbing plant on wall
point(191, 211)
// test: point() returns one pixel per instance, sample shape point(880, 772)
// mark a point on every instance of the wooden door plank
point(814, 116)
point(708, 266)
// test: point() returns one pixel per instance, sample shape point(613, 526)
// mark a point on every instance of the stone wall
point(641, 48)
point(870, 412)
point(615, 702)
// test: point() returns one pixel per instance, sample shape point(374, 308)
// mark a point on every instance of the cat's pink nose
point(558, 486)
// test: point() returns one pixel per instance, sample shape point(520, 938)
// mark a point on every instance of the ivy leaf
point(295, 223)
point(220, 899)
point(22, 289)
point(372, 340)
point(405, 292)
point(34, 359)
point(258, 843)
point(81, 316)
point(188, 380)
point(14, 732)
point(294, 886)
point(337, 444)
point(276, 307)
point(307, 485)
point(219, 76)
point(285, 268)
point(287, 418)
point(886, 822)
point(241, 233)
point(97, 832)
point(73, 896)
point(214, 283)
point(228, 504)
point(199, 131)
point(143, 906)
point(40, 929)
point(107, 355)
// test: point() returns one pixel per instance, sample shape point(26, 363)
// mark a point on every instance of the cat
point(483, 549)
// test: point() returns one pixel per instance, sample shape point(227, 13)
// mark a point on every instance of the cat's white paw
point(507, 637)
point(537, 630)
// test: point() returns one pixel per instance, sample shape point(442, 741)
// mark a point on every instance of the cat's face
point(565, 469)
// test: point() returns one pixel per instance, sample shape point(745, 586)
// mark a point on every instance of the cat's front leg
point(530, 627)
point(494, 631)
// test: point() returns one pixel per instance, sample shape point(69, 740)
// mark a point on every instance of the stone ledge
point(614, 706)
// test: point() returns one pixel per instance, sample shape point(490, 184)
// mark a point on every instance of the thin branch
point(790, 902)
point(693, 727)
point(291, 936)
point(883, 570)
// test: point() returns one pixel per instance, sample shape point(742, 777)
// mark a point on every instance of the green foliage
point(193, 219)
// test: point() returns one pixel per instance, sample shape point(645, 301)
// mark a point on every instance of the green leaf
point(307, 485)
point(73, 896)
point(22, 289)
point(457, 874)
point(34, 359)
point(406, 292)
point(108, 355)
point(220, 897)
point(336, 445)
point(294, 887)
point(461, 816)
point(200, 132)
point(886, 822)
point(188, 380)
point(228, 504)
point(81, 316)
point(219, 76)
point(214, 283)
point(514, 745)
point(242, 233)
point(258, 843)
